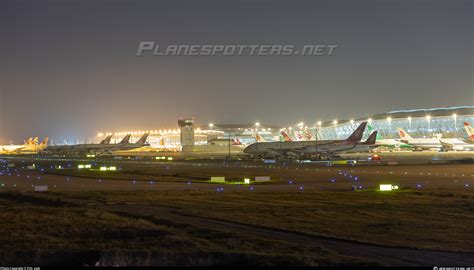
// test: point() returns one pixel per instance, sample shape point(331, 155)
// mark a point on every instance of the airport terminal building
point(418, 123)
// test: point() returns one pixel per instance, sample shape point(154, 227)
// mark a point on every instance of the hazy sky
point(68, 68)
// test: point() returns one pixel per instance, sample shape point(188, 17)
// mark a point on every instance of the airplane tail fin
point(35, 141)
point(299, 135)
point(371, 129)
point(285, 136)
point(28, 141)
point(125, 139)
point(372, 138)
point(259, 138)
point(142, 139)
point(469, 129)
point(403, 134)
point(357, 134)
point(106, 140)
point(43, 144)
point(308, 135)
point(236, 141)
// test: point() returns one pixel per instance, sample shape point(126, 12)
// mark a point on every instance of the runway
point(284, 177)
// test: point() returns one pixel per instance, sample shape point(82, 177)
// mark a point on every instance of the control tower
point(187, 133)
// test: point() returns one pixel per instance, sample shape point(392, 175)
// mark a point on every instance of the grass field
point(38, 231)
point(278, 223)
point(432, 219)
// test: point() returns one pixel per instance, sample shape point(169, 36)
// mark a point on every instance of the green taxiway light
point(387, 187)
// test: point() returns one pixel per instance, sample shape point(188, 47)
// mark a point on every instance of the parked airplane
point(12, 148)
point(30, 146)
point(444, 144)
point(458, 146)
point(419, 143)
point(347, 146)
point(99, 148)
point(388, 143)
point(128, 146)
point(298, 148)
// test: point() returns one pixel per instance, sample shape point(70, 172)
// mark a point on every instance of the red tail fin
point(285, 136)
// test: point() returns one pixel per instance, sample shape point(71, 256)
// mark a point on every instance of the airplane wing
point(447, 146)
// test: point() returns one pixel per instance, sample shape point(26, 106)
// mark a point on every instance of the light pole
point(389, 120)
point(455, 116)
point(428, 118)
point(257, 124)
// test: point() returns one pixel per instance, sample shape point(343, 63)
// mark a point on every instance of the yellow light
point(369, 120)
point(80, 166)
point(455, 115)
point(113, 168)
point(170, 158)
point(389, 118)
point(385, 187)
point(100, 134)
point(428, 117)
point(246, 180)
point(319, 123)
point(334, 122)
point(103, 168)
point(352, 121)
point(87, 166)
point(409, 118)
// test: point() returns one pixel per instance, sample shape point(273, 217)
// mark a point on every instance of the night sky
point(68, 69)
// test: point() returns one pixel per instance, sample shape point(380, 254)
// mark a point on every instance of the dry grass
point(45, 232)
point(423, 219)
